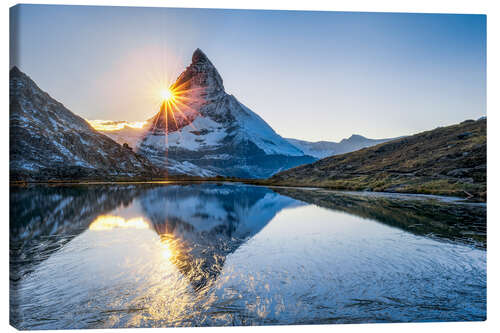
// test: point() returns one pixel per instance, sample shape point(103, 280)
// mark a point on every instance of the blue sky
point(310, 75)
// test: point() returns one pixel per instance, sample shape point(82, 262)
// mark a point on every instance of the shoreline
point(255, 182)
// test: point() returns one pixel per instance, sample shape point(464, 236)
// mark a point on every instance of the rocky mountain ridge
point(48, 141)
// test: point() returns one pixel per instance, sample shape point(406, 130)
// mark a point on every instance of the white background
point(417, 6)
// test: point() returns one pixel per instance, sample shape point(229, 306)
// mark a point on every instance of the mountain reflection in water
point(149, 255)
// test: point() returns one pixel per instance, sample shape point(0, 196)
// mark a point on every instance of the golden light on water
point(170, 247)
point(110, 222)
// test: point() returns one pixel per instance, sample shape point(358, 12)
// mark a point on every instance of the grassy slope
point(447, 160)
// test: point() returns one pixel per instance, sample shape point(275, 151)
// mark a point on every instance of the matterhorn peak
point(204, 131)
point(199, 56)
point(201, 74)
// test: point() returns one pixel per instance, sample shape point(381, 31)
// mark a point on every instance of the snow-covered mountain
point(47, 141)
point(322, 149)
point(209, 132)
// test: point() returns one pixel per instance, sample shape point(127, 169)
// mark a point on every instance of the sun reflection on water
point(179, 282)
point(167, 252)
point(109, 222)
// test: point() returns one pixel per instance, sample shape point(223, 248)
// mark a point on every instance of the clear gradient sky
point(310, 75)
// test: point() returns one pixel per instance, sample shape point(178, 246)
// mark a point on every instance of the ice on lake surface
point(150, 255)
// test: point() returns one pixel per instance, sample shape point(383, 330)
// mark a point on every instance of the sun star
point(167, 94)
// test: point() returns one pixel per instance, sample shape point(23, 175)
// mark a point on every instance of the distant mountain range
point(210, 133)
point(323, 149)
point(207, 133)
point(214, 134)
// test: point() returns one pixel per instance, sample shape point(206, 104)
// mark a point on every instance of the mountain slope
point(447, 160)
point(208, 132)
point(322, 149)
point(319, 149)
point(47, 141)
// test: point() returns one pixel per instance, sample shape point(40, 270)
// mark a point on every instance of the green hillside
point(447, 161)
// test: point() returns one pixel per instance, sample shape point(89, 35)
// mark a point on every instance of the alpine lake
point(223, 254)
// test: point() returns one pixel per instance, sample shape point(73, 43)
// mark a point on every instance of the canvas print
point(216, 167)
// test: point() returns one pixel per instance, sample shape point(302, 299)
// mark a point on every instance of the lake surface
point(158, 255)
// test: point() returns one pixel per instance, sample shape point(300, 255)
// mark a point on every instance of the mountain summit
point(205, 131)
point(201, 74)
